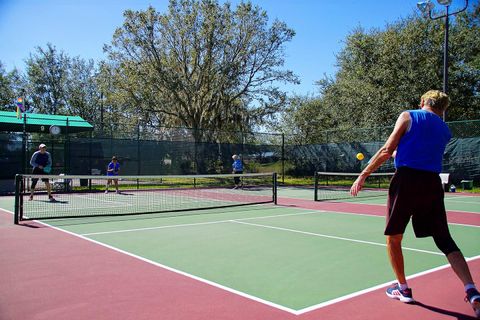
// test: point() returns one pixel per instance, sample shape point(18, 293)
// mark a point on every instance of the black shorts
point(37, 170)
point(237, 179)
point(417, 194)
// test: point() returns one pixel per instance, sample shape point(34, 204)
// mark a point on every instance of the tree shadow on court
point(453, 314)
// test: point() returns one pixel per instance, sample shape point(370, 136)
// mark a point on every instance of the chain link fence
point(161, 151)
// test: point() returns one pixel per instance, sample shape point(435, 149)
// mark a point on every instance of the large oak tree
point(201, 65)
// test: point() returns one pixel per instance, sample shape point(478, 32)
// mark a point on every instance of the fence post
point(18, 198)
point(275, 190)
point(24, 144)
point(67, 150)
point(138, 153)
point(138, 148)
point(90, 152)
point(283, 158)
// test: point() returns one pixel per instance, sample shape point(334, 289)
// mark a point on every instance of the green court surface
point(287, 257)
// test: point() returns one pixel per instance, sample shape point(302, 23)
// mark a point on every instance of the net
point(86, 196)
point(336, 185)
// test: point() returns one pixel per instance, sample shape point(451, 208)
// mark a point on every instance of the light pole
point(426, 8)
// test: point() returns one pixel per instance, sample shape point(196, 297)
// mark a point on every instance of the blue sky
point(82, 27)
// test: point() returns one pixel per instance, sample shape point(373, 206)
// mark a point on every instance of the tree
point(464, 69)
point(305, 120)
point(201, 65)
point(47, 73)
point(383, 72)
point(7, 95)
point(12, 86)
point(82, 95)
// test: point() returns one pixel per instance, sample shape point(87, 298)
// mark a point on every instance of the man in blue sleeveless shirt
point(237, 167)
point(39, 161)
point(113, 169)
point(418, 142)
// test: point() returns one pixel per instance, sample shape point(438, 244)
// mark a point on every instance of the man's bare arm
point(384, 153)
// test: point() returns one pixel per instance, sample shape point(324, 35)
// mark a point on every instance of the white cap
point(42, 146)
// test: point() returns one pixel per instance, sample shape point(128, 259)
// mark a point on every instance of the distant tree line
point(383, 72)
point(201, 65)
point(204, 65)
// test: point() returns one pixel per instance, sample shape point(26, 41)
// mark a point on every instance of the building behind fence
point(164, 151)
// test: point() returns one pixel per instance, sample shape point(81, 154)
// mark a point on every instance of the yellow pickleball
point(360, 156)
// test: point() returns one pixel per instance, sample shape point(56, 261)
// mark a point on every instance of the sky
point(82, 27)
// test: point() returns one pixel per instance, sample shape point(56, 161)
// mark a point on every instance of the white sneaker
point(106, 191)
point(395, 292)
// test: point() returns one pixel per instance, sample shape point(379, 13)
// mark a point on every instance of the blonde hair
point(436, 99)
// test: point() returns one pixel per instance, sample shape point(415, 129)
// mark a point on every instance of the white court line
point(67, 206)
point(100, 200)
point(196, 224)
point(251, 218)
point(383, 217)
point(464, 225)
point(461, 201)
point(380, 286)
point(188, 275)
point(463, 211)
point(462, 197)
point(332, 237)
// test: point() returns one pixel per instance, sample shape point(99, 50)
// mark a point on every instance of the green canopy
point(35, 122)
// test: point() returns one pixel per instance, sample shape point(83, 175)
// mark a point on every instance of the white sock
point(470, 286)
point(403, 286)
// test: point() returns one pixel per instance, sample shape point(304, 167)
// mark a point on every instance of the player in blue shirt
point(419, 139)
point(41, 163)
point(237, 166)
point(113, 169)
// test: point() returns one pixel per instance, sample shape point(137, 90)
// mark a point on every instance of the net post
point(18, 198)
point(274, 188)
point(315, 193)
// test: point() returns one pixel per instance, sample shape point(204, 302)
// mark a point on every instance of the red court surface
point(49, 274)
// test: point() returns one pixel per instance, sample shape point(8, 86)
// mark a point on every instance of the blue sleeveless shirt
point(237, 165)
point(423, 145)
